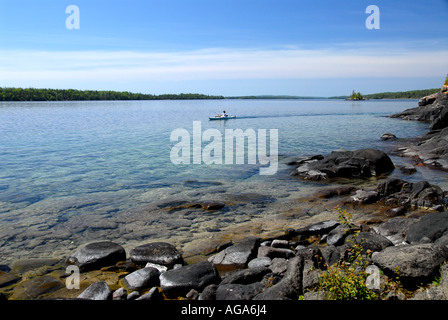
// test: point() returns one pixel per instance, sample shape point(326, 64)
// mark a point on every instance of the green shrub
point(346, 280)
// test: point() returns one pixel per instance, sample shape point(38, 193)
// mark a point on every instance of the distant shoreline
point(34, 94)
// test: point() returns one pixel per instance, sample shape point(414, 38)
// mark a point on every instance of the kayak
point(222, 117)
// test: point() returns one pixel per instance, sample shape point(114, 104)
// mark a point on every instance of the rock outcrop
point(356, 163)
point(431, 148)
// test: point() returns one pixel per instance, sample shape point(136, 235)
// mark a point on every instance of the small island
point(356, 96)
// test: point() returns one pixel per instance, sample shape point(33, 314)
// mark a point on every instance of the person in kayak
point(224, 114)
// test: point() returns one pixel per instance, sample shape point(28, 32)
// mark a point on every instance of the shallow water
point(74, 172)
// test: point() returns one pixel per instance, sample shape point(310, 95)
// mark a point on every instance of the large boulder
point(178, 282)
point(290, 287)
point(97, 255)
point(357, 163)
point(431, 226)
point(142, 279)
point(156, 252)
point(237, 255)
point(413, 263)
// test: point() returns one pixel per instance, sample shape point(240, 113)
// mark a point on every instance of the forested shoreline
point(32, 94)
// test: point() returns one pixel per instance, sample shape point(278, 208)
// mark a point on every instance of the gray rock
point(331, 254)
point(395, 229)
point(119, 294)
point(357, 163)
point(444, 280)
point(337, 236)
point(398, 211)
point(363, 197)
point(238, 292)
point(408, 169)
point(290, 287)
point(134, 295)
point(432, 225)
point(272, 252)
point(259, 262)
point(310, 276)
point(97, 255)
point(414, 262)
point(388, 136)
point(322, 227)
point(152, 294)
point(441, 121)
point(245, 276)
point(312, 255)
point(369, 241)
point(279, 243)
point(192, 295)
point(97, 291)
point(314, 295)
point(178, 282)
point(443, 240)
point(418, 194)
point(431, 293)
point(279, 266)
point(237, 255)
point(390, 186)
point(161, 253)
point(209, 292)
point(142, 279)
point(159, 267)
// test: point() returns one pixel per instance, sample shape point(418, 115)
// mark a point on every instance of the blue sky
point(245, 47)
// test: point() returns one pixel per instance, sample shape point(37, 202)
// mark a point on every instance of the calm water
point(73, 172)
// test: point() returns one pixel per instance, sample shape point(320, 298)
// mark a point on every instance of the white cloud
point(217, 63)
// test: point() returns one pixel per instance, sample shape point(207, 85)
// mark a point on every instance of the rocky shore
point(432, 148)
point(398, 253)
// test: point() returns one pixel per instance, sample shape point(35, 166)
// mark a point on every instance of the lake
point(76, 172)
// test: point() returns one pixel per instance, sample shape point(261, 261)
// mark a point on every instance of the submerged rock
point(388, 136)
point(36, 288)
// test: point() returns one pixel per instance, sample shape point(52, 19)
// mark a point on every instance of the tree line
point(32, 94)
point(413, 94)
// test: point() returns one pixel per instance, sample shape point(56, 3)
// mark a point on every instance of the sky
point(245, 47)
